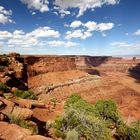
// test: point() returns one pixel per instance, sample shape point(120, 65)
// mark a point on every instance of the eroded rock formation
point(93, 65)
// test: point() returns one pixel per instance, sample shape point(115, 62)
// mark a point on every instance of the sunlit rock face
point(94, 65)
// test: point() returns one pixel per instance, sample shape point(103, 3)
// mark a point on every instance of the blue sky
point(77, 27)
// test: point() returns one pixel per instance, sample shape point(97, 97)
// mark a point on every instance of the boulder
point(22, 113)
point(12, 131)
point(28, 103)
point(7, 110)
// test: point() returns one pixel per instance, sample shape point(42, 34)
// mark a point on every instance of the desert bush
point(75, 102)
point(23, 123)
point(92, 122)
point(72, 135)
point(125, 132)
point(136, 124)
point(54, 102)
point(107, 110)
point(60, 134)
point(25, 94)
point(80, 116)
point(4, 88)
point(86, 126)
point(72, 100)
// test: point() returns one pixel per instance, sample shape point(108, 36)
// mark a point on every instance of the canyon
point(53, 77)
point(42, 64)
point(92, 77)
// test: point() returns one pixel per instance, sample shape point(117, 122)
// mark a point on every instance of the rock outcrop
point(15, 132)
point(22, 113)
point(12, 131)
point(93, 65)
point(13, 71)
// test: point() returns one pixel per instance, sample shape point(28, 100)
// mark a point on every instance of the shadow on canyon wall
point(135, 72)
point(41, 126)
point(30, 60)
point(96, 61)
point(93, 62)
point(92, 71)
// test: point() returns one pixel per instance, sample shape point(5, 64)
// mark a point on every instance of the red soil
point(121, 88)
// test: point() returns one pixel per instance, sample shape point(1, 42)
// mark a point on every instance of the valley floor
point(121, 88)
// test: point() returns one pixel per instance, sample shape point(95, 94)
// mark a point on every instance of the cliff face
point(43, 64)
point(13, 71)
point(95, 65)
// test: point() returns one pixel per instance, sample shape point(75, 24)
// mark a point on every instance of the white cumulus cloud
point(5, 35)
point(62, 43)
point(105, 26)
point(86, 29)
point(76, 24)
point(91, 25)
point(44, 32)
point(83, 5)
point(137, 32)
point(5, 15)
point(33, 38)
point(78, 34)
point(41, 5)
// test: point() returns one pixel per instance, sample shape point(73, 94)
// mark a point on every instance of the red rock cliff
point(43, 64)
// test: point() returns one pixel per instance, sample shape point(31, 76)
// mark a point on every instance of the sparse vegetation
point(107, 110)
point(80, 115)
point(93, 122)
point(4, 88)
point(54, 102)
point(125, 132)
point(25, 94)
point(23, 123)
point(72, 135)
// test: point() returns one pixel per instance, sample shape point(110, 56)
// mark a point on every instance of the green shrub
point(136, 125)
point(24, 123)
point(25, 94)
point(107, 110)
point(60, 134)
point(72, 135)
point(75, 102)
point(80, 116)
point(74, 98)
point(4, 88)
point(127, 133)
point(86, 126)
point(92, 122)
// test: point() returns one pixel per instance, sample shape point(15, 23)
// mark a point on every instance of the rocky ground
point(17, 121)
point(52, 89)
